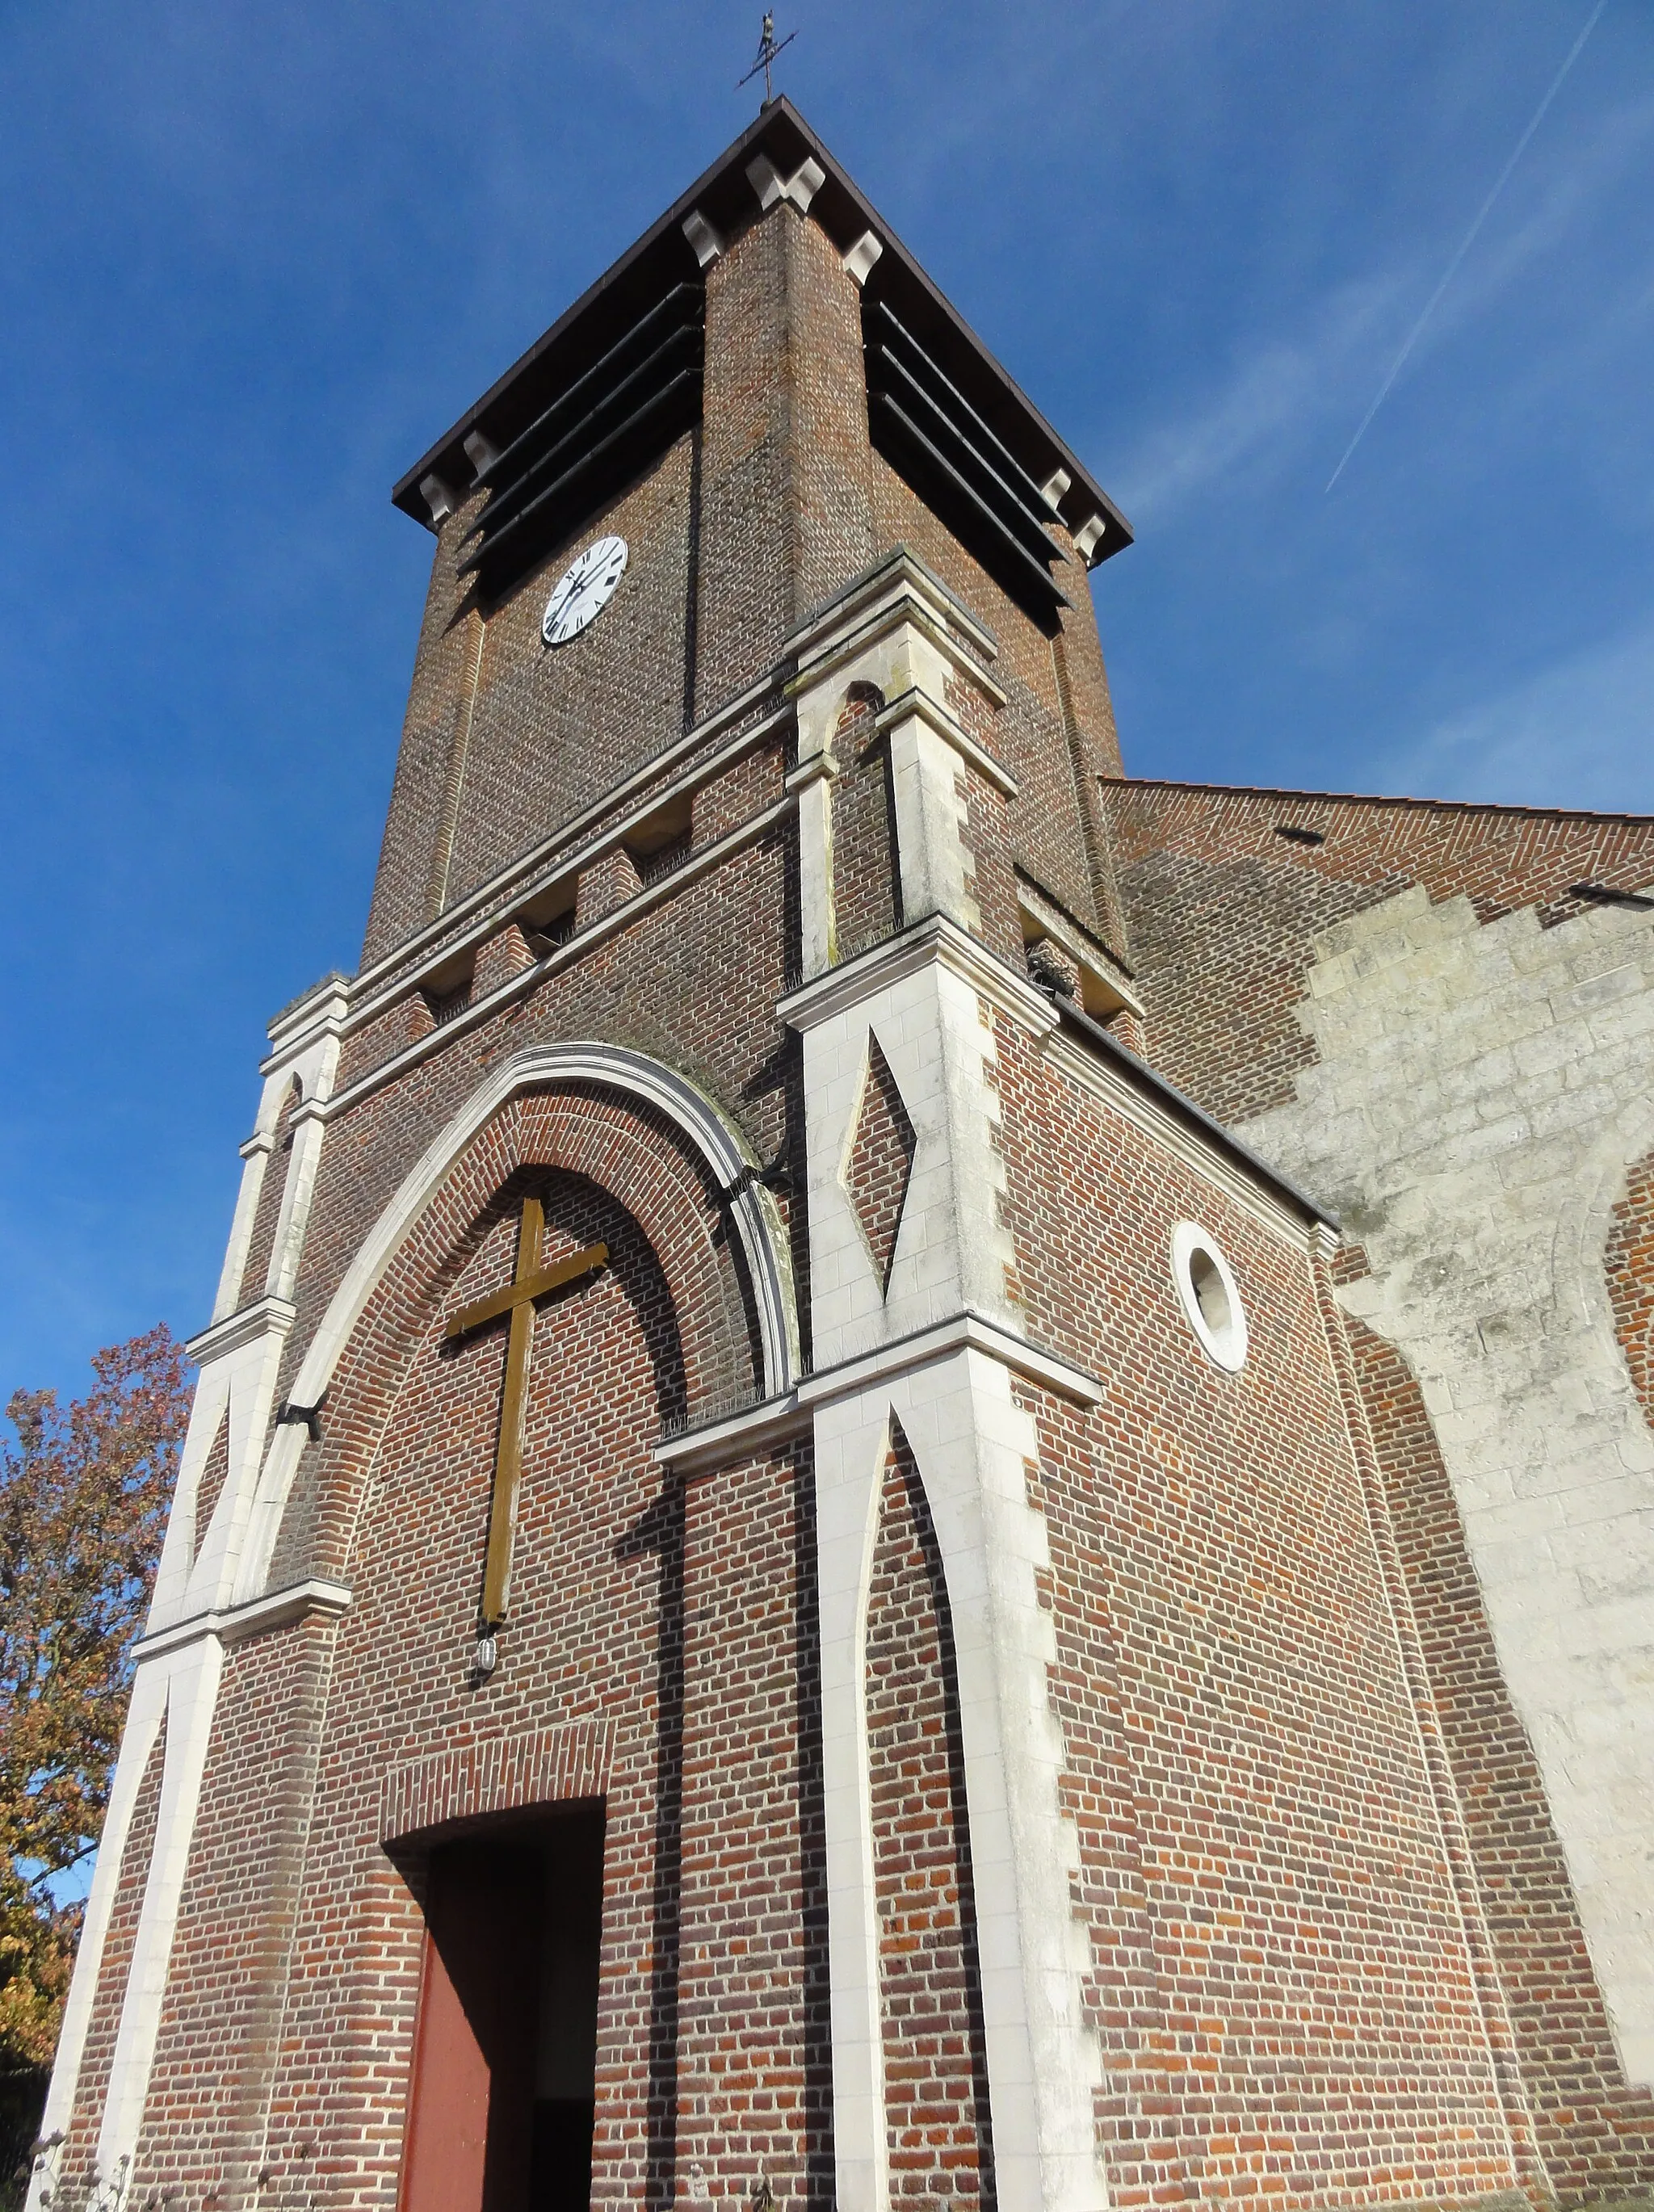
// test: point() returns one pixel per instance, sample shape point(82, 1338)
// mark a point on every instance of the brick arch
point(659, 1255)
point(644, 1137)
point(1628, 1263)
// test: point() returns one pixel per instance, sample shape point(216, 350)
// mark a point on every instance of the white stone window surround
point(1209, 1295)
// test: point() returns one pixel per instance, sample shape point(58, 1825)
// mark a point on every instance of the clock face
point(584, 592)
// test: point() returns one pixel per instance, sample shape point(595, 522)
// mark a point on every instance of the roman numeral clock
point(583, 590)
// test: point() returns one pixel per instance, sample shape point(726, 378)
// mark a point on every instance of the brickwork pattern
point(786, 500)
point(879, 1166)
point(262, 1243)
point(694, 982)
point(220, 2031)
point(1630, 1264)
point(209, 1486)
point(499, 1774)
point(78, 2163)
point(551, 728)
point(1287, 2006)
point(866, 882)
point(432, 734)
point(941, 2150)
point(671, 1621)
point(1223, 911)
point(1594, 2134)
point(589, 1135)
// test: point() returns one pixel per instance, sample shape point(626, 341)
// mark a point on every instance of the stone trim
point(913, 704)
point(266, 1316)
point(529, 979)
point(499, 1775)
point(520, 871)
point(934, 938)
point(776, 1420)
point(234, 1624)
point(752, 1216)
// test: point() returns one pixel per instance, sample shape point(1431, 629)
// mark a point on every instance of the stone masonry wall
point(1223, 911)
point(1630, 1262)
point(1594, 2131)
point(1478, 1095)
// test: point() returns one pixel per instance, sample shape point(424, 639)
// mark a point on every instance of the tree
point(83, 1499)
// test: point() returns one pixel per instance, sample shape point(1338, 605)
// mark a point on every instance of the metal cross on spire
point(768, 48)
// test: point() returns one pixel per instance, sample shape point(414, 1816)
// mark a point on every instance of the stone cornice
point(519, 985)
point(403, 961)
point(265, 1317)
point(738, 1435)
point(234, 1624)
point(899, 590)
point(318, 1014)
point(934, 938)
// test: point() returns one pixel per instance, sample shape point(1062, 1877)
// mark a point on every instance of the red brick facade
point(1321, 1947)
point(941, 2141)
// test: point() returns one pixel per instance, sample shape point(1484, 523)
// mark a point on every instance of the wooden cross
point(531, 1281)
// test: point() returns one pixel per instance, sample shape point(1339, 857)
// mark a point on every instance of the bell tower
point(780, 1591)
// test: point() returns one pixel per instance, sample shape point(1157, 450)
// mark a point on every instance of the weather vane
point(768, 48)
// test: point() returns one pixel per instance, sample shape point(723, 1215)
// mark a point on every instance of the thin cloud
point(1468, 241)
point(1283, 390)
point(1578, 733)
point(1275, 397)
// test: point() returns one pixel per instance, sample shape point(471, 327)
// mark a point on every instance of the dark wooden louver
point(612, 420)
point(933, 437)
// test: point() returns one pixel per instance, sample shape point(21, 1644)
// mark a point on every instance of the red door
point(471, 2121)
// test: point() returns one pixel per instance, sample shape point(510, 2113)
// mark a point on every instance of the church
point(923, 1474)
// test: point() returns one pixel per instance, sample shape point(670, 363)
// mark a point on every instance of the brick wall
point(1222, 910)
point(78, 2162)
point(672, 1616)
point(941, 2146)
point(408, 884)
point(550, 729)
point(1595, 2132)
point(1286, 2003)
point(220, 2031)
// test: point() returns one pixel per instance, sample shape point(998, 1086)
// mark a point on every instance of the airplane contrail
point(1469, 240)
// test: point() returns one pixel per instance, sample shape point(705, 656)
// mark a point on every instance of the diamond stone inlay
point(878, 1165)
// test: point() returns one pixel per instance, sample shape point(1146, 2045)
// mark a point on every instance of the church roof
point(662, 260)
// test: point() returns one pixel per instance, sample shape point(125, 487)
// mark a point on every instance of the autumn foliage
point(83, 1499)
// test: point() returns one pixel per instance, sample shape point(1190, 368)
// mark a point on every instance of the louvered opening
point(932, 436)
point(597, 433)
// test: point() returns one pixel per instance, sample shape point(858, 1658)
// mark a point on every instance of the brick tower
point(794, 1579)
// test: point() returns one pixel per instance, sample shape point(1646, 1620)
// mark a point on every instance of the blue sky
point(252, 262)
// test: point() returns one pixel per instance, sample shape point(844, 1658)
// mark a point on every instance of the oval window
point(1209, 1295)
